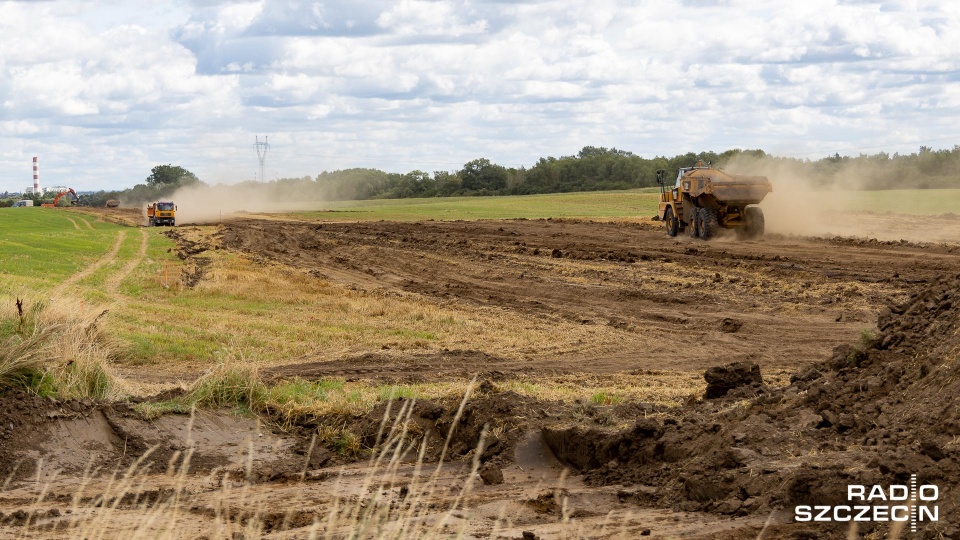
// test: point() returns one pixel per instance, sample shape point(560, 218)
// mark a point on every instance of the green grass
point(905, 201)
point(128, 249)
point(602, 204)
point(603, 398)
point(41, 247)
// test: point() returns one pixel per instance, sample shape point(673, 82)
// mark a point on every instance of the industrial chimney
point(36, 175)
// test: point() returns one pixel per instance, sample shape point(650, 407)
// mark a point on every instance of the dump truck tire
point(671, 222)
point(694, 226)
point(709, 224)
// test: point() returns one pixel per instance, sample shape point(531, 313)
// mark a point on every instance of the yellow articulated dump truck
point(705, 200)
point(162, 213)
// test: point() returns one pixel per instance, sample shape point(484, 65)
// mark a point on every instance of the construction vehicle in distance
point(59, 196)
point(162, 213)
point(112, 203)
point(23, 203)
point(706, 199)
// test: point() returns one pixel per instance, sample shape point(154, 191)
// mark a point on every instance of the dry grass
point(670, 388)
point(57, 348)
point(21, 356)
point(276, 313)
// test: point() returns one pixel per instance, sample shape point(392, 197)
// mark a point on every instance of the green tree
point(170, 175)
point(480, 174)
point(447, 183)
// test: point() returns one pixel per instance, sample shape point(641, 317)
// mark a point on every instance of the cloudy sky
point(102, 91)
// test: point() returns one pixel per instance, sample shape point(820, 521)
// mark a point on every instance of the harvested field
point(589, 341)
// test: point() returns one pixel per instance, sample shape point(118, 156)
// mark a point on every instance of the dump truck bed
point(726, 188)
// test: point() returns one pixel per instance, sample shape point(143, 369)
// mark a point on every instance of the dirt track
point(652, 302)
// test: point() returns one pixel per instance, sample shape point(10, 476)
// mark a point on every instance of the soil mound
point(738, 375)
point(502, 418)
point(875, 413)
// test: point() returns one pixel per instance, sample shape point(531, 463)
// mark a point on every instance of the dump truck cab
point(705, 200)
point(162, 213)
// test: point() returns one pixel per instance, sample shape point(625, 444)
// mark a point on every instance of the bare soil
point(790, 300)
point(860, 409)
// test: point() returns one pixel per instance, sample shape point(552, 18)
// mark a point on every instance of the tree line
point(591, 169)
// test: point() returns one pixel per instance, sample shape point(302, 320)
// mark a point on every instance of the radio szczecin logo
point(913, 504)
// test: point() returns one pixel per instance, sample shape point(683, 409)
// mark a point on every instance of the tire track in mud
point(98, 264)
point(113, 284)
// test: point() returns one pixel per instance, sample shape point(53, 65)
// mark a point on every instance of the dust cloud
point(799, 207)
point(212, 204)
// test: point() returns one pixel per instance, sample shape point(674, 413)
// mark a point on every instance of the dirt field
point(630, 304)
point(649, 302)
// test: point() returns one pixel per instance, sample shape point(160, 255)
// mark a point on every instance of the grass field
point(636, 203)
point(906, 201)
point(42, 248)
point(602, 204)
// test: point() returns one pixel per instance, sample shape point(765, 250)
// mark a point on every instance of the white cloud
point(105, 91)
point(421, 17)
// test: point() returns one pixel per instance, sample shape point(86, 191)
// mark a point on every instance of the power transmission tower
point(262, 148)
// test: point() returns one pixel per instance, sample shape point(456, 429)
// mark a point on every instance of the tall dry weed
point(55, 347)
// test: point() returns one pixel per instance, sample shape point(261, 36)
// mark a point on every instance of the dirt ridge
point(874, 413)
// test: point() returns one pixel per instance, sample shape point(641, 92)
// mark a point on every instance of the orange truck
point(162, 213)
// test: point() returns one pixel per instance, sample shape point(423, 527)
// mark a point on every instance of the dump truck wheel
point(694, 226)
point(709, 224)
point(672, 223)
point(755, 222)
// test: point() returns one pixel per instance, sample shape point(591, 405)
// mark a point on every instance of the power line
point(262, 148)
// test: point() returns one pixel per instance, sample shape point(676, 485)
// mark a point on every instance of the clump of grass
point(55, 348)
point(341, 439)
point(300, 392)
point(867, 338)
point(603, 398)
point(80, 378)
point(393, 392)
point(228, 384)
point(23, 356)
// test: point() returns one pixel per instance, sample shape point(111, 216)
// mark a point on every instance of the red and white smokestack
point(36, 174)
